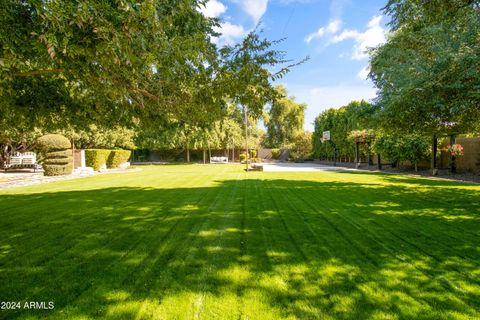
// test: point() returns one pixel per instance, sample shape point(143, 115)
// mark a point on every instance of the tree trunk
point(246, 137)
point(379, 161)
point(357, 154)
point(453, 164)
point(188, 151)
point(204, 155)
point(433, 164)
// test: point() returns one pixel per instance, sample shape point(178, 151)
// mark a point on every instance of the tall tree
point(285, 119)
point(428, 71)
point(114, 58)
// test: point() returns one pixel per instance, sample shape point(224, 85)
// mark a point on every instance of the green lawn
point(212, 242)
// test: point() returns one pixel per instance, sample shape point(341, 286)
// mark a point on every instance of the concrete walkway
point(303, 167)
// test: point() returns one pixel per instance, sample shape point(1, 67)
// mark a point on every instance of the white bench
point(219, 160)
point(22, 160)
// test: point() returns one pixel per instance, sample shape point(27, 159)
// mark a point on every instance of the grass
point(212, 242)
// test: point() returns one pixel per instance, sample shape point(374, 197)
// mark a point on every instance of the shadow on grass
point(253, 249)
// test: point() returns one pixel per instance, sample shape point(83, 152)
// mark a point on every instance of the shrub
point(53, 142)
point(243, 157)
point(96, 158)
point(401, 147)
point(253, 153)
point(302, 147)
point(117, 157)
point(275, 153)
point(55, 156)
point(58, 169)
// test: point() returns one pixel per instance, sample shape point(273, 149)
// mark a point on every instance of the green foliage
point(302, 146)
point(53, 142)
point(357, 115)
point(96, 158)
point(117, 157)
point(55, 154)
point(58, 169)
point(99, 55)
point(285, 120)
point(398, 147)
point(275, 153)
point(365, 135)
point(243, 157)
point(390, 147)
point(102, 137)
point(253, 153)
point(427, 72)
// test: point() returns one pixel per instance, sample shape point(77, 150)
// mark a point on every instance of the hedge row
point(96, 158)
point(117, 157)
point(57, 169)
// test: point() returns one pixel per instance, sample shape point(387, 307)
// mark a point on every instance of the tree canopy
point(428, 70)
point(127, 63)
point(284, 119)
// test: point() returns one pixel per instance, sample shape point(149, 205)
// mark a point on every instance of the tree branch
point(37, 72)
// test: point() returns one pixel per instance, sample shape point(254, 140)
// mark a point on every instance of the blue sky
point(333, 33)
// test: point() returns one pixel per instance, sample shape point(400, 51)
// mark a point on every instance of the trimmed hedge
point(60, 154)
point(53, 142)
point(58, 161)
point(96, 158)
point(57, 158)
point(58, 169)
point(117, 157)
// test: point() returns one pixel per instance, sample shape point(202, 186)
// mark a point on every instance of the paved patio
point(303, 167)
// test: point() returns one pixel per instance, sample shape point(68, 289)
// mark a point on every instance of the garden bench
point(219, 160)
point(22, 160)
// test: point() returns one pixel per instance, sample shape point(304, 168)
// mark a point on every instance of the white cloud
point(372, 37)
point(363, 74)
point(331, 28)
point(213, 9)
point(230, 33)
point(254, 8)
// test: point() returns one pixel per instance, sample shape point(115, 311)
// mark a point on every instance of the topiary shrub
point(56, 156)
point(53, 142)
point(96, 158)
point(117, 157)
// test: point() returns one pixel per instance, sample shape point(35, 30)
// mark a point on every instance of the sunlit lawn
point(213, 242)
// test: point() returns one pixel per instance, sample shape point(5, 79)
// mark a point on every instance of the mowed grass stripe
point(350, 218)
point(333, 303)
point(214, 242)
point(90, 264)
point(84, 217)
point(156, 249)
point(70, 231)
point(196, 265)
